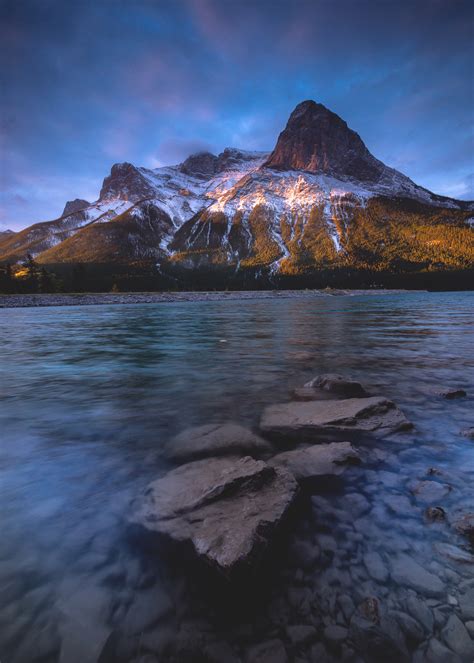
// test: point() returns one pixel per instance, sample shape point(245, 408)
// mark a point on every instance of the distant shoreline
point(95, 299)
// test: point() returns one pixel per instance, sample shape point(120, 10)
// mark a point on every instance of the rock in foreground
point(311, 419)
point(317, 460)
point(214, 440)
point(227, 508)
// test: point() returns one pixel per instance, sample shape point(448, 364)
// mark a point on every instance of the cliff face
point(319, 141)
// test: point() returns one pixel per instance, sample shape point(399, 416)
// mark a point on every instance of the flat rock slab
point(338, 385)
point(214, 440)
point(227, 508)
point(315, 418)
point(317, 460)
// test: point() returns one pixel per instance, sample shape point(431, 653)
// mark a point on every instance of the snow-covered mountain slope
point(175, 191)
point(319, 198)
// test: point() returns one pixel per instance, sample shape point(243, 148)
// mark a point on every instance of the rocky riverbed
point(349, 541)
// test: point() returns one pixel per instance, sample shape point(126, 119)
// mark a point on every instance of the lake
point(90, 394)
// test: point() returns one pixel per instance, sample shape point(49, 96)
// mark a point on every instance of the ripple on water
point(90, 394)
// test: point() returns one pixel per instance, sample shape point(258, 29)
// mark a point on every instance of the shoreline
point(97, 299)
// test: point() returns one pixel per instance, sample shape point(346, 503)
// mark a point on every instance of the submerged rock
point(454, 553)
point(451, 393)
point(214, 440)
point(375, 566)
point(315, 418)
point(464, 525)
point(435, 514)
point(227, 508)
point(337, 385)
point(272, 651)
point(457, 638)
point(405, 571)
point(317, 460)
point(468, 432)
point(430, 491)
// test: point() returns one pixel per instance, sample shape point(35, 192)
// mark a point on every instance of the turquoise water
point(88, 396)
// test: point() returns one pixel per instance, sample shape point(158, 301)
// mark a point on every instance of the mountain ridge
point(301, 207)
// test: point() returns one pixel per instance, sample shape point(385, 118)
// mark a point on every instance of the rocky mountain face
point(76, 205)
point(318, 141)
point(319, 201)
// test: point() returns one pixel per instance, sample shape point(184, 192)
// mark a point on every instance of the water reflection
point(88, 396)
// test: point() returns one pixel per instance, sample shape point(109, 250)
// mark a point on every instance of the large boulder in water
point(312, 419)
point(215, 440)
point(317, 460)
point(227, 508)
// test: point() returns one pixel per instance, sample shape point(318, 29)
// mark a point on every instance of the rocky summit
point(317, 140)
point(318, 209)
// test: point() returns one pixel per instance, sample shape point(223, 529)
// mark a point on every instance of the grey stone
point(304, 554)
point(463, 523)
point(430, 491)
point(311, 419)
point(227, 508)
point(420, 611)
point(466, 603)
point(470, 628)
point(83, 636)
point(454, 553)
point(347, 606)
point(409, 626)
point(451, 393)
point(435, 514)
point(338, 385)
point(405, 571)
point(300, 634)
point(147, 608)
point(220, 652)
point(317, 460)
point(357, 503)
point(438, 653)
point(457, 638)
point(375, 566)
point(37, 645)
point(374, 644)
point(271, 651)
point(399, 504)
point(214, 440)
point(335, 634)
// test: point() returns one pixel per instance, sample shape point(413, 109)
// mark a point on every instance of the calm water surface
point(90, 394)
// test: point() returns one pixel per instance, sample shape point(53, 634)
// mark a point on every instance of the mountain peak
point(200, 164)
point(75, 205)
point(317, 140)
point(125, 182)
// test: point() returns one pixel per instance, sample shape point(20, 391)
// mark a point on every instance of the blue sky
point(85, 84)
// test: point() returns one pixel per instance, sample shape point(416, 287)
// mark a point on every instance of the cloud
point(88, 83)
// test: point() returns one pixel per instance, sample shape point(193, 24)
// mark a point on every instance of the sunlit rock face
point(319, 141)
point(125, 182)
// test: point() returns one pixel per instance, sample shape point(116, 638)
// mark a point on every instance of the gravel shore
point(88, 299)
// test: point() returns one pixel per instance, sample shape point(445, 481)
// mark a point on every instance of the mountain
point(319, 202)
